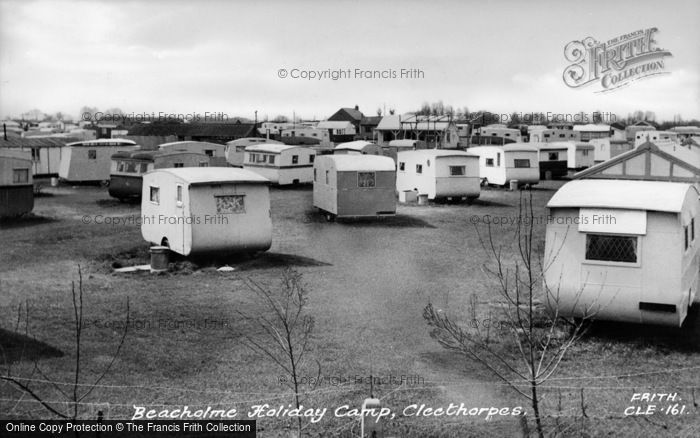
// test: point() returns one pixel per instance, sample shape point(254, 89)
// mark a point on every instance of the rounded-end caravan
point(216, 152)
point(235, 149)
point(500, 165)
point(623, 250)
point(90, 160)
point(281, 164)
point(358, 147)
point(199, 210)
point(126, 173)
point(439, 173)
point(395, 146)
point(16, 184)
point(354, 186)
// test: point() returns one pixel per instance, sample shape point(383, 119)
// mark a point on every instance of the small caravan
point(281, 164)
point(235, 149)
point(198, 210)
point(354, 186)
point(126, 173)
point(16, 184)
point(90, 160)
point(216, 152)
point(607, 148)
point(439, 173)
point(624, 250)
point(553, 159)
point(581, 155)
point(358, 147)
point(396, 146)
point(500, 164)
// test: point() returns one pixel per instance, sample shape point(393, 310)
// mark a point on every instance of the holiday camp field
point(368, 284)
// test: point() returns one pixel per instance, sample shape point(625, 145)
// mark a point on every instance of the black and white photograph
point(349, 219)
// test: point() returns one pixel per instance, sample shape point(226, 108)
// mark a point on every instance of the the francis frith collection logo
point(615, 63)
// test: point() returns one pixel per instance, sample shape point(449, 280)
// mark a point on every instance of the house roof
point(371, 120)
point(622, 194)
point(361, 162)
point(352, 112)
point(354, 145)
point(269, 148)
point(214, 175)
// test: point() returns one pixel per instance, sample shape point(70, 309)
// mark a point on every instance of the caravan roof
point(215, 175)
point(349, 162)
point(269, 148)
point(622, 194)
point(104, 142)
point(439, 153)
point(354, 145)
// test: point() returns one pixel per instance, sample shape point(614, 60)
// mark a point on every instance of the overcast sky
point(224, 56)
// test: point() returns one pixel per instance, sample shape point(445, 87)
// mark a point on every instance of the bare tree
point(534, 341)
point(76, 395)
point(286, 327)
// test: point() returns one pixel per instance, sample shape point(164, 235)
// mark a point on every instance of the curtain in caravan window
point(366, 179)
point(230, 204)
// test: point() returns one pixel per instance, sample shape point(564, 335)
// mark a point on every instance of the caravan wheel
point(164, 242)
point(484, 182)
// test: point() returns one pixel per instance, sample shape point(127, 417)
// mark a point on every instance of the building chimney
point(357, 107)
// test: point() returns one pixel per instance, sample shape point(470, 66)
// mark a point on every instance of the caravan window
point(366, 179)
point(35, 154)
point(326, 177)
point(230, 204)
point(489, 162)
point(20, 176)
point(144, 168)
point(251, 158)
point(498, 159)
point(203, 164)
point(271, 159)
point(92, 154)
point(176, 165)
point(295, 159)
point(312, 158)
point(314, 175)
point(131, 167)
point(521, 162)
point(611, 248)
point(553, 156)
point(120, 166)
point(209, 152)
point(155, 195)
point(457, 170)
point(419, 168)
point(178, 197)
point(240, 148)
point(260, 158)
point(402, 166)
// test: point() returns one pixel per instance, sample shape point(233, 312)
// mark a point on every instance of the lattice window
point(611, 248)
point(234, 204)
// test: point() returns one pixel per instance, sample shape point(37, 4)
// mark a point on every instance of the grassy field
point(368, 283)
